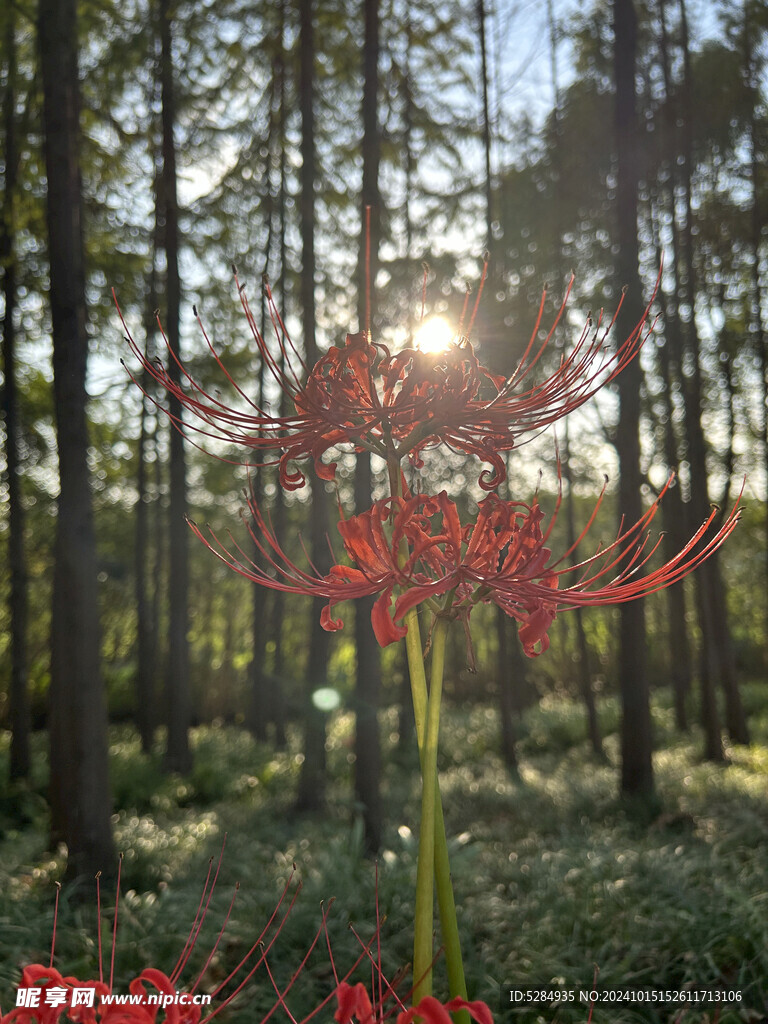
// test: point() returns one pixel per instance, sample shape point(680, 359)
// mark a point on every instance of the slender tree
point(146, 622)
point(368, 679)
point(19, 698)
point(717, 653)
point(636, 767)
point(178, 755)
point(311, 792)
point(80, 799)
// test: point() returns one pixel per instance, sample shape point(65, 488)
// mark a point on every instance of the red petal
point(430, 1010)
point(385, 629)
point(353, 1001)
point(327, 622)
point(326, 471)
point(534, 631)
point(477, 1009)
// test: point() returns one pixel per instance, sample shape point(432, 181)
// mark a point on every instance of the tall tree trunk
point(670, 355)
point(756, 157)
point(480, 15)
point(178, 757)
point(582, 650)
point(80, 798)
point(145, 668)
point(146, 623)
point(636, 766)
point(368, 677)
point(260, 683)
point(19, 697)
point(717, 653)
point(311, 792)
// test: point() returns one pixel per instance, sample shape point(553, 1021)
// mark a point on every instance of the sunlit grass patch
point(553, 872)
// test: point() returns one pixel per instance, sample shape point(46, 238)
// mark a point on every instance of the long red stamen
point(55, 922)
point(98, 926)
point(114, 925)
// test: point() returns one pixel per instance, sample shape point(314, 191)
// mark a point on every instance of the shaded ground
point(553, 875)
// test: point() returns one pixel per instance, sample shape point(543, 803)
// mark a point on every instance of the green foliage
point(553, 873)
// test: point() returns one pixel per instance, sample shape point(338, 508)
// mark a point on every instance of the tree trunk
point(19, 697)
point(260, 684)
point(272, 698)
point(756, 157)
point(368, 677)
point(582, 650)
point(146, 623)
point(717, 655)
point(480, 15)
point(636, 767)
point(178, 757)
point(311, 794)
point(80, 798)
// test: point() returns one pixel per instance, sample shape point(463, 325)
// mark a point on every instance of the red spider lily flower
point(60, 998)
point(362, 397)
point(502, 558)
point(355, 1005)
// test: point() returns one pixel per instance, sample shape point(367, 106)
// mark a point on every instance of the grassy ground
point(553, 874)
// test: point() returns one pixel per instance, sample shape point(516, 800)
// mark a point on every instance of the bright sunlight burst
point(434, 335)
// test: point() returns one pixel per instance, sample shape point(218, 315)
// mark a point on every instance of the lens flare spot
point(326, 699)
point(434, 336)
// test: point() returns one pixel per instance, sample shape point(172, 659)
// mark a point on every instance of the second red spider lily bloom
point(355, 1006)
point(414, 549)
point(362, 397)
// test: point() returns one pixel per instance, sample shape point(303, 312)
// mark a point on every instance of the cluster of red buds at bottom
point(45, 996)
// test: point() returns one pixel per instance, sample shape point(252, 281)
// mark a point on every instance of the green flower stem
point(442, 870)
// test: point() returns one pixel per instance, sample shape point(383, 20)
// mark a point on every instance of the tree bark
point(669, 355)
point(368, 677)
point(636, 767)
point(146, 622)
point(19, 698)
point(582, 650)
point(80, 798)
point(178, 757)
point(311, 794)
point(717, 653)
point(757, 214)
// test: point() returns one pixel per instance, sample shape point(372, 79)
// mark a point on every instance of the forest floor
point(555, 877)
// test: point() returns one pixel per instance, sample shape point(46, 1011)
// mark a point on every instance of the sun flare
point(434, 336)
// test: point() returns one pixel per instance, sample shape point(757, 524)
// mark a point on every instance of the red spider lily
point(55, 991)
point(501, 557)
point(363, 397)
point(177, 1007)
point(355, 1004)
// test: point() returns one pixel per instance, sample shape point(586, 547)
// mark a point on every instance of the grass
point(553, 873)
